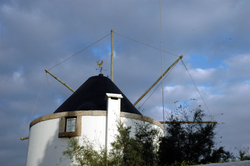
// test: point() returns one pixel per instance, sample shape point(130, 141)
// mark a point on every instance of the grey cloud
point(40, 34)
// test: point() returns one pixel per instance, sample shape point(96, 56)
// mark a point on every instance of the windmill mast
point(112, 54)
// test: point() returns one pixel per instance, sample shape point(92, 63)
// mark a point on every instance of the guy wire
point(79, 51)
point(146, 44)
point(35, 104)
point(197, 89)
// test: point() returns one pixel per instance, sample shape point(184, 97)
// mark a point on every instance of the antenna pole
point(163, 107)
point(112, 54)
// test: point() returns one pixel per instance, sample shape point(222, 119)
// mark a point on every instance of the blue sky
point(212, 35)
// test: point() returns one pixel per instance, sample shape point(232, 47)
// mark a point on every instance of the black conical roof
point(91, 96)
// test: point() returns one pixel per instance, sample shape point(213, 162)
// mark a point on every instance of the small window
point(70, 124)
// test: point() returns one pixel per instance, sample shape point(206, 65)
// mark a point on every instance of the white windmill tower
point(91, 112)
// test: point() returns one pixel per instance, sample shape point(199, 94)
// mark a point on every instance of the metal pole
point(163, 107)
point(112, 54)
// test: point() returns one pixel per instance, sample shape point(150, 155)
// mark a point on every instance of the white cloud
point(202, 74)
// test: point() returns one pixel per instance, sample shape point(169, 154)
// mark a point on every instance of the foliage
point(218, 155)
point(190, 142)
point(148, 138)
point(243, 153)
point(184, 144)
point(85, 154)
point(183, 163)
point(138, 150)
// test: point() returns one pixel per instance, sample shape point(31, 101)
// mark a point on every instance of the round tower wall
point(48, 138)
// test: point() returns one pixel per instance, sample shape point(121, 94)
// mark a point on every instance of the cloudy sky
point(213, 36)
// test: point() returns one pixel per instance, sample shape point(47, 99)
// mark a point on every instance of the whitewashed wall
point(45, 148)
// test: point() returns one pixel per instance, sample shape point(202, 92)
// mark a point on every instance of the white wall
point(45, 148)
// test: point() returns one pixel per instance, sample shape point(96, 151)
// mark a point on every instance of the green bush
point(184, 144)
point(136, 151)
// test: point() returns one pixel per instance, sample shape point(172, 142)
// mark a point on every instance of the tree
point(136, 151)
point(192, 142)
point(184, 144)
point(217, 155)
point(85, 154)
point(148, 138)
point(243, 153)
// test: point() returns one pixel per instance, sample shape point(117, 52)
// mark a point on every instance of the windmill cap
point(91, 96)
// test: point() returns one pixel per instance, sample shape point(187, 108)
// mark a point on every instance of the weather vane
point(100, 66)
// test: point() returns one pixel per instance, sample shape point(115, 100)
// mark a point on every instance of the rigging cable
point(197, 89)
point(79, 51)
point(35, 105)
point(54, 67)
point(146, 44)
